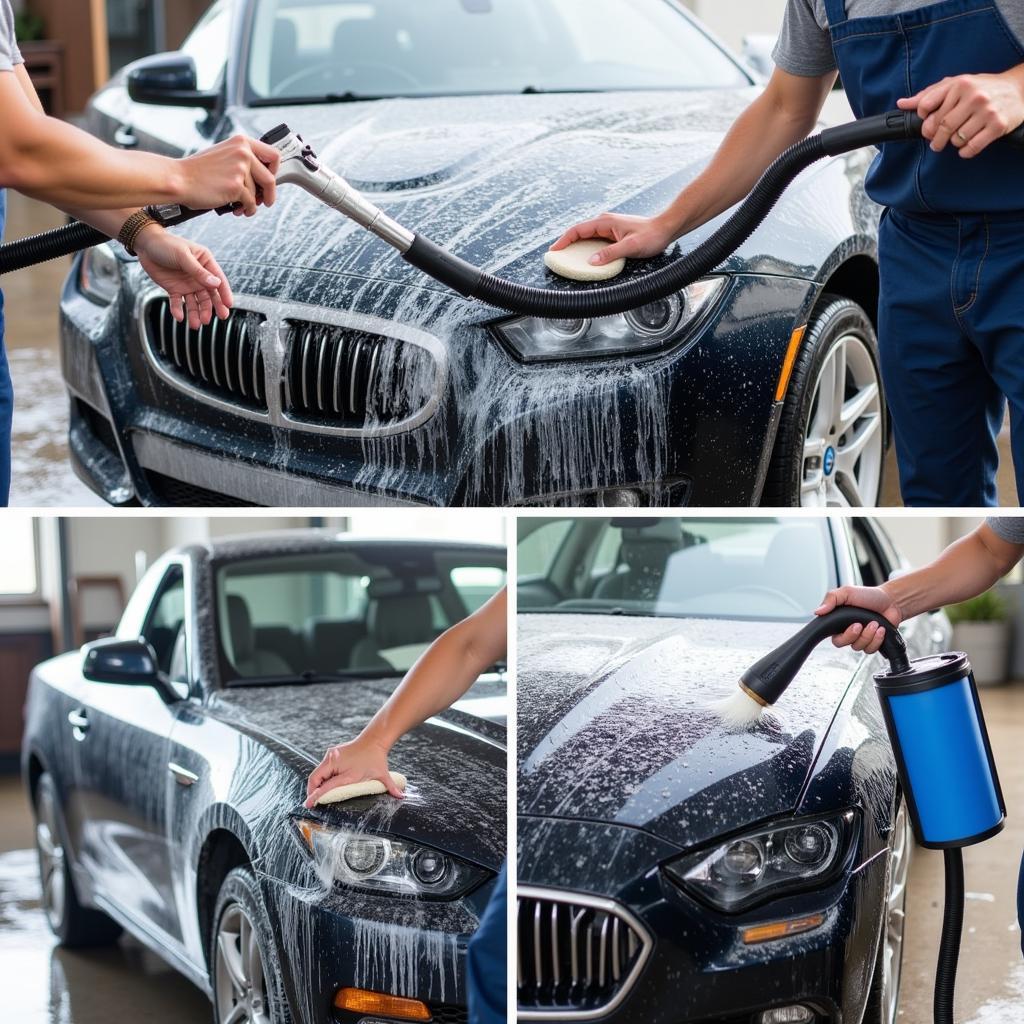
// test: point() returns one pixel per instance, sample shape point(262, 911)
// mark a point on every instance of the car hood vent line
point(300, 367)
point(578, 956)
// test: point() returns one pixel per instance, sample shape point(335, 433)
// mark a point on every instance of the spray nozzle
point(767, 679)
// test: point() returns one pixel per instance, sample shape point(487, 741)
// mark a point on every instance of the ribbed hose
point(949, 945)
point(619, 298)
point(51, 245)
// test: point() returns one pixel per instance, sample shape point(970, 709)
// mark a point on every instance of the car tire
point(76, 927)
point(238, 972)
point(819, 460)
point(883, 997)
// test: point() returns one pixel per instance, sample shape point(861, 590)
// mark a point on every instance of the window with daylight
point(19, 559)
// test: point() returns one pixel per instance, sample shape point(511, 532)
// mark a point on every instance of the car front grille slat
point(338, 376)
point(577, 956)
point(332, 378)
point(217, 359)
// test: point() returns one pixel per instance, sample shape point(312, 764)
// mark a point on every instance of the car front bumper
point(390, 945)
point(691, 426)
point(699, 970)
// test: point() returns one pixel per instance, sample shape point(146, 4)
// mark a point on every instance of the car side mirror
point(125, 662)
point(168, 80)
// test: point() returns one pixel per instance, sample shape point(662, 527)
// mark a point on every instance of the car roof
point(313, 541)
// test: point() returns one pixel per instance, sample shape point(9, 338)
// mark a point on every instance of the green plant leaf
point(987, 607)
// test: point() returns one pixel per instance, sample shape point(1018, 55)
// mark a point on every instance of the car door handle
point(79, 722)
point(182, 775)
point(125, 137)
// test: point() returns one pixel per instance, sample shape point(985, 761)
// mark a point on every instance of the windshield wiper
point(309, 676)
point(309, 101)
point(532, 90)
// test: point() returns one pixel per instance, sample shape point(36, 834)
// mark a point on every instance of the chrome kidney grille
point(301, 367)
point(223, 358)
point(578, 956)
point(355, 378)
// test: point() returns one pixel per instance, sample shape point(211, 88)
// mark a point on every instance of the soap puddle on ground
point(1005, 1008)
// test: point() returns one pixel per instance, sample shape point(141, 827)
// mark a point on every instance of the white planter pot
point(988, 647)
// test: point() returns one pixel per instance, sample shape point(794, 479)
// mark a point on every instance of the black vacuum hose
point(896, 126)
point(952, 930)
point(76, 236)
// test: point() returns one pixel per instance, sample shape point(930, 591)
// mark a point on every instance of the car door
point(123, 775)
point(170, 131)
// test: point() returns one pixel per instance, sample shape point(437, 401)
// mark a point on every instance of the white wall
point(731, 20)
point(923, 538)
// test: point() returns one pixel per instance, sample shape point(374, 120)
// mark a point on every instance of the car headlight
point(363, 860)
point(99, 277)
point(646, 329)
point(757, 867)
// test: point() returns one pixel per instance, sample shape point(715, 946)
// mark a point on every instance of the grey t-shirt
point(9, 52)
point(805, 45)
point(1009, 528)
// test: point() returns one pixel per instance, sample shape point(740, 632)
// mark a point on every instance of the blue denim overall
point(487, 957)
point(6, 390)
point(951, 249)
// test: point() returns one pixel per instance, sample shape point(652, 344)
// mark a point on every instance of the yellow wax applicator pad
point(573, 262)
point(371, 787)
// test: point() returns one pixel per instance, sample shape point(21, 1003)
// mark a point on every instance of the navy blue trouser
point(487, 959)
point(6, 392)
point(951, 336)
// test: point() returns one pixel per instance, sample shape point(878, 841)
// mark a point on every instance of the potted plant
point(981, 627)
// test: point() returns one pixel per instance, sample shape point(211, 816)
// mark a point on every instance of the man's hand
point(188, 273)
point(359, 761)
point(876, 599)
point(240, 170)
point(971, 111)
point(635, 237)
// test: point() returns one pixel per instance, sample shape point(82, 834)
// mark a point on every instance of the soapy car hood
point(455, 763)
point(614, 723)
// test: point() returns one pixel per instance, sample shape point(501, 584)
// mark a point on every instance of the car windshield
point(349, 49)
point(772, 569)
point(331, 616)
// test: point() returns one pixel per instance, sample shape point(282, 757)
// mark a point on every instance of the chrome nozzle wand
point(301, 166)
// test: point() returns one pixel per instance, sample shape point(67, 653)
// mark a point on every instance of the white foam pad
point(371, 787)
point(573, 262)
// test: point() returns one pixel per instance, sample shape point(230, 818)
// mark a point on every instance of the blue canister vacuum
point(943, 755)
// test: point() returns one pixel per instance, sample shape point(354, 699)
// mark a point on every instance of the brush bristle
point(738, 711)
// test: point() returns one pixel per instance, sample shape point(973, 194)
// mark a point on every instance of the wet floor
point(53, 986)
point(42, 474)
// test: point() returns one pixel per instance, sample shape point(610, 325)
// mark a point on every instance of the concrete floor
point(53, 986)
point(42, 476)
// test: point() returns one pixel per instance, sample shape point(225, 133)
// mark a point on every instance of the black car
point(346, 377)
point(167, 766)
point(672, 869)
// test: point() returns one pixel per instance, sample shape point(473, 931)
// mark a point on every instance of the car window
point(316, 48)
point(166, 631)
point(539, 548)
point(744, 568)
point(347, 613)
point(207, 44)
point(871, 561)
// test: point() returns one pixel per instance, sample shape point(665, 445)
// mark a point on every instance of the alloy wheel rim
point(51, 861)
point(895, 915)
point(843, 452)
point(239, 979)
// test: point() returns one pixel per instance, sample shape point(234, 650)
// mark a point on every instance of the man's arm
point(965, 569)
point(53, 161)
point(782, 115)
point(443, 674)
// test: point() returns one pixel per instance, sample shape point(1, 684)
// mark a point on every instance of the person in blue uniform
point(951, 316)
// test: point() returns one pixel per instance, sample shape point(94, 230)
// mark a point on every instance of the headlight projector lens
point(809, 845)
point(744, 859)
point(364, 856)
point(430, 867)
point(657, 318)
